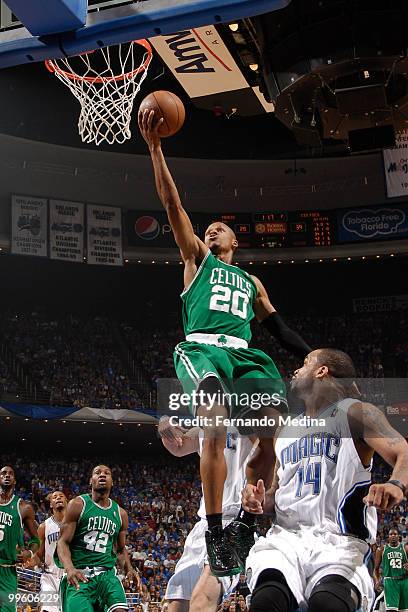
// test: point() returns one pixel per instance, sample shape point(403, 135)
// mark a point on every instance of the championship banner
point(396, 166)
point(66, 230)
point(29, 226)
point(104, 231)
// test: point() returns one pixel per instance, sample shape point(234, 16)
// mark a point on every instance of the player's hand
point(149, 128)
point(383, 496)
point(24, 556)
point(253, 497)
point(133, 577)
point(172, 433)
point(377, 585)
point(75, 576)
point(405, 566)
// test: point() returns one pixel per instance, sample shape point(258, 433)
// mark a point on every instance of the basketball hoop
point(105, 82)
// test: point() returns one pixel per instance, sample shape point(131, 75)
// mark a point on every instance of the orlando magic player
point(48, 533)
point(192, 579)
point(317, 551)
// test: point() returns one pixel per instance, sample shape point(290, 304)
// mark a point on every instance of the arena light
point(166, 262)
point(363, 257)
point(89, 441)
point(320, 260)
point(23, 439)
point(279, 262)
point(139, 261)
point(253, 67)
point(377, 256)
point(392, 255)
point(126, 261)
point(292, 261)
point(153, 261)
point(334, 258)
point(306, 261)
point(64, 421)
point(234, 27)
point(264, 262)
point(348, 258)
point(250, 263)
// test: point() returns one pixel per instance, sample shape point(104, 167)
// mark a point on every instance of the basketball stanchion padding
point(105, 82)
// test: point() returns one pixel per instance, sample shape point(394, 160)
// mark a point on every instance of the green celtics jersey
point(393, 560)
point(95, 535)
point(219, 300)
point(11, 530)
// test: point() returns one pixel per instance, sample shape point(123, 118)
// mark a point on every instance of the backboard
point(110, 22)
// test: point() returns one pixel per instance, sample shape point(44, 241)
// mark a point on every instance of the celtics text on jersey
point(219, 300)
point(93, 544)
point(11, 530)
point(393, 560)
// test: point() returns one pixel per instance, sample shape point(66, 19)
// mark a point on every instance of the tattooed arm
point(374, 433)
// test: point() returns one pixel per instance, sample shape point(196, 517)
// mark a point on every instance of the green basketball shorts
point(247, 376)
point(8, 589)
point(103, 592)
point(396, 594)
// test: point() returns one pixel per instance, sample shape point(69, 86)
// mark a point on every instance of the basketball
point(169, 106)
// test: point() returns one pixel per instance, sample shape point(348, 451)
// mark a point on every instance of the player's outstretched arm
point(377, 565)
point(378, 435)
point(273, 322)
point(31, 528)
point(68, 527)
point(178, 441)
point(191, 247)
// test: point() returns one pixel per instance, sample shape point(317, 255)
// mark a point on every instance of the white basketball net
point(105, 92)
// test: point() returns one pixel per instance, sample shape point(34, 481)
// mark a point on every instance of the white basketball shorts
point(305, 556)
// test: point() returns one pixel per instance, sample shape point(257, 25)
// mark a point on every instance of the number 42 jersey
point(322, 481)
point(96, 534)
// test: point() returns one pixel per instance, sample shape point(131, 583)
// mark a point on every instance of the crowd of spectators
point(71, 360)
point(84, 361)
point(161, 499)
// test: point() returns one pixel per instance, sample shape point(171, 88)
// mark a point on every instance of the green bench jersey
point(219, 300)
point(393, 560)
point(95, 535)
point(11, 531)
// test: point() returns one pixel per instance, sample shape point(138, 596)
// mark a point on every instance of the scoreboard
point(265, 230)
point(283, 229)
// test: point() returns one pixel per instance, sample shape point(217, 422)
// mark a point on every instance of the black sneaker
point(222, 557)
point(241, 537)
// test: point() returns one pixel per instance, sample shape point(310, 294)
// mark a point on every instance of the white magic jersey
point(52, 531)
point(236, 453)
point(322, 481)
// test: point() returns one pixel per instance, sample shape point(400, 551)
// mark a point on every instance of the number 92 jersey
point(95, 535)
point(322, 481)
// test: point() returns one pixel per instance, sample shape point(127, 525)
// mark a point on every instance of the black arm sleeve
point(287, 338)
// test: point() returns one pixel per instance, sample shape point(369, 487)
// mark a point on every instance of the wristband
point(398, 484)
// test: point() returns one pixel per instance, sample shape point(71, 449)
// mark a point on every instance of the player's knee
point(272, 593)
point(334, 594)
